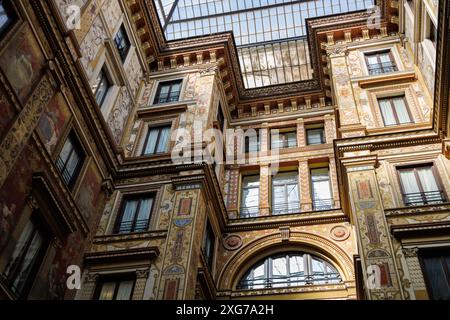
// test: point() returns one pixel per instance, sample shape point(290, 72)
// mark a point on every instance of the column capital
point(410, 252)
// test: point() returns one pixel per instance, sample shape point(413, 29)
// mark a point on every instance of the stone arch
point(255, 250)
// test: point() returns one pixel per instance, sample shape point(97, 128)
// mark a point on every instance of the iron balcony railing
point(168, 97)
point(249, 212)
point(380, 68)
point(322, 204)
point(290, 281)
point(286, 208)
point(132, 226)
point(423, 198)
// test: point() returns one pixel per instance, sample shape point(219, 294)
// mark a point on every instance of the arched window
point(289, 269)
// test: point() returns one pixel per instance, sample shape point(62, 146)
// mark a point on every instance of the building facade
point(168, 150)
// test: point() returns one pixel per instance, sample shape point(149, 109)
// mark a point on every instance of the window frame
point(160, 128)
point(117, 279)
point(247, 143)
point(378, 54)
point(329, 186)
point(394, 111)
point(159, 86)
point(432, 252)
point(287, 203)
point(209, 235)
point(323, 139)
point(105, 75)
point(414, 167)
point(268, 277)
point(11, 15)
point(123, 52)
point(76, 144)
point(241, 207)
point(38, 226)
point(284, 132)
point(123, 202)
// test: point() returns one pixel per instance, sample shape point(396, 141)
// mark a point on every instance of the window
point(283, 139)
point(431, 33)
point(321, 189)
point(7, 16)
point(135, 214)
point(221, 119)
point(168, 91)
point(70, 160)
point(394, 110)
point(290, 269)
point(209, 244)
point(420, 186)
point(26, 258)
point(122, 42)
point(252, 143)
point(436, 269)
point(380, 62)
point(315, 136)
point(285, 194)
point(101, 87)
point(115, 288)
point(250, 197)
point(157, 140)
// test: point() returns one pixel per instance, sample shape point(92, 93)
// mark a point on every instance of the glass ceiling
point(270, 35)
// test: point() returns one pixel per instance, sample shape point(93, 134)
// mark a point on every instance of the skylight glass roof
point(270, 34)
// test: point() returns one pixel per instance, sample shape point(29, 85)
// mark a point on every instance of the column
point(141, 281)
point(350, 124)
point(264, 190)
point(233, 192)
point(382, 281)
point(415, 273)
point(329, 128)
point(301, 135)
point(334, 183)
point(182, 249)
point(304, 183)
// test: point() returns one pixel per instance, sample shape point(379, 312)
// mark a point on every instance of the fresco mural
point(23, 62)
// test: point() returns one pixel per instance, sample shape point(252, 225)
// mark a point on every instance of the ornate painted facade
point(353, 202)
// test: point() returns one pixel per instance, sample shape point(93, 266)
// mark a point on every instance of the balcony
point(249, 212)
point(322, 204)
point(290, 281)
point(380, 68)
point(132, 226)
point(286, 208)
point(424, 198)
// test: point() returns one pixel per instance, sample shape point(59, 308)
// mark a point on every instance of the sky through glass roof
point(270, 34)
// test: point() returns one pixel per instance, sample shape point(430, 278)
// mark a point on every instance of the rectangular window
point(101, 87)
point(436, 269)
point(26, 258)
point(250, 197)
point(209, 244)
point(380, 62)
point(168, 91)
point(285, 193)
point(135, 214)
point(394, 110)
point(221, 119)
point(157, 140)
point(252, 143)
point(431, 31)
point(315, 136)
point(115, 288)
point(321, 189)
point(7, 16)
point(283, 139)
point(420, 186)
point(70, 160)
point(122, 42)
